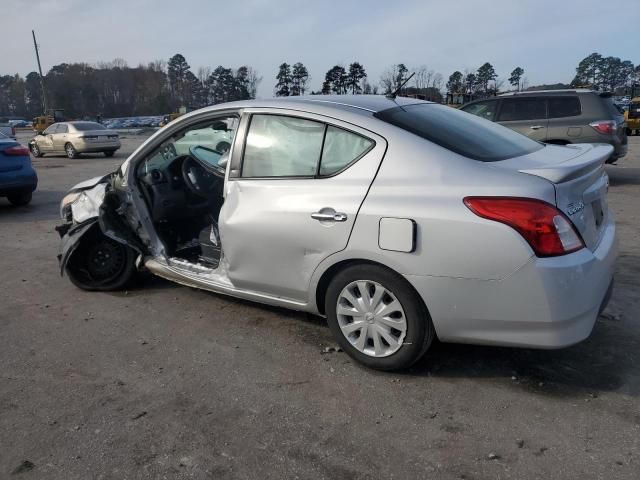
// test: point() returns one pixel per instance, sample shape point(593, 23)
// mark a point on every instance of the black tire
point(419, 328)
point(101, 264)
point(109, 153)
point(70, 150)
point(20, 199)
point(35, 150)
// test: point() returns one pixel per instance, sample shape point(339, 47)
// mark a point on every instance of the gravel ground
point(164, 381)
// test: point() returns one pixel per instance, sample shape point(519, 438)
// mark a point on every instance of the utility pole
point(44, 94)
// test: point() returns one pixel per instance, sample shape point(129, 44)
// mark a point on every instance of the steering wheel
point(198, 180)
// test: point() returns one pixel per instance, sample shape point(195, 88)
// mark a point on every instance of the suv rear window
point(460, 132)
point(564, 107)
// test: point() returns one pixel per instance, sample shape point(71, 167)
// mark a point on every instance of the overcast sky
point(546, 38)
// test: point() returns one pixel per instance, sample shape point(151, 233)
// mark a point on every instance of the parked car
point(399, 220)
point(7, 130)
point(560, 117)
point(18, 178)
point(74, 138)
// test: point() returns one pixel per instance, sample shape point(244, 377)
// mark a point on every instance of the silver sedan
point(74, 138)
point(396, 219)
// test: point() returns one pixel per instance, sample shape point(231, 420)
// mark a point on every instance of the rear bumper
point(24, 179)
point(548, 303)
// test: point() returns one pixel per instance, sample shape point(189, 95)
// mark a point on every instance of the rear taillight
point(545, 228)
point(16, 151)
point(606, 127)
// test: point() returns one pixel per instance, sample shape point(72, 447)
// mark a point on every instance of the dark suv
point(558, 116)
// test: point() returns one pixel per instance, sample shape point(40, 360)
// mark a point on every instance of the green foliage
point(485, 74)
point(112, 89)
point(455, 83)
point(299, 79)
point(516, 76)
point(335, 81)
point(603, 73)
point(355, 78)
point(283, 86)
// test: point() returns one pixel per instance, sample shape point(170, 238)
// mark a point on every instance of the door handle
point(536, 127)
point(329, 217)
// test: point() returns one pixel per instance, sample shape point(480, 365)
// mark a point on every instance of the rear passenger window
point(279, 146)
point(341, 148)
point(513, 109)
point(563, 107)
point(484, 110)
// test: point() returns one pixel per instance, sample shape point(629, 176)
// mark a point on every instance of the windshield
point(460, 132)
point(86, 126)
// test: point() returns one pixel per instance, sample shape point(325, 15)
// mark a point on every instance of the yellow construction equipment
point(42, 122)
point(632, 117)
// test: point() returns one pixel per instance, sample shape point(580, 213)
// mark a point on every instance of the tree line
point(114, 89)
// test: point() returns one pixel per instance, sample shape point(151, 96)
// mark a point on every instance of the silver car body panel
point(479, 279)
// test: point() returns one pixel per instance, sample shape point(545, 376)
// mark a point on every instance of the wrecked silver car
point(397, 219)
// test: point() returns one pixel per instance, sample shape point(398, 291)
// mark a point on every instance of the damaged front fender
point(71, 240)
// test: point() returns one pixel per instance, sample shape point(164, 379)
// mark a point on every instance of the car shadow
point(623, 176)
point(603, 363)
point(44, 206)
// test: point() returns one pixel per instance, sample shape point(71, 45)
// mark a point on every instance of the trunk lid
point(580, 182)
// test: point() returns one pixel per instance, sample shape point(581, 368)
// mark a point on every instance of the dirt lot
point(165, 381)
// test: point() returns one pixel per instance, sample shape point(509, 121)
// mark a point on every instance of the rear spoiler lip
point(592, 157)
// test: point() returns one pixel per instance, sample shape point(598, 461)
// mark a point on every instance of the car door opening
point(182, 183)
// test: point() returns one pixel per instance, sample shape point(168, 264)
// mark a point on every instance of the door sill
point(213, 280)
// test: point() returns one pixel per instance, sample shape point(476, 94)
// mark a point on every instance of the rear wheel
point(109, 153)
point(377, 317)
point(20, 199)
point(71, 151)
point(101, 263)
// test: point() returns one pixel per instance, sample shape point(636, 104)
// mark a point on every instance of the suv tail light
point(606, 127)
point(545, 228)
point(16, 151)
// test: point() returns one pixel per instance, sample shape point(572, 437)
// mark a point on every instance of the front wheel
point(378, 318)
point(35, 150)
point(100, 263)
point(71, 151)
point(20, 199)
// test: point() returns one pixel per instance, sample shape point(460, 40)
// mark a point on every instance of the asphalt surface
point(164, 381)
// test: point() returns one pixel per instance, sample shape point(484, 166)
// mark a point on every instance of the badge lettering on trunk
point(574, 208)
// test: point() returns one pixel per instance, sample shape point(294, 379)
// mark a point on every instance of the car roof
point(363, 104)
point(548, 92)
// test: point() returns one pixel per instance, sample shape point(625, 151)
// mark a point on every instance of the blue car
point(18, 179)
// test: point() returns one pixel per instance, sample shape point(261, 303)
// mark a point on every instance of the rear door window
point(460, 132)
point(514, 109)
point(563, 107)
point(486, 110)
point(279, 146)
